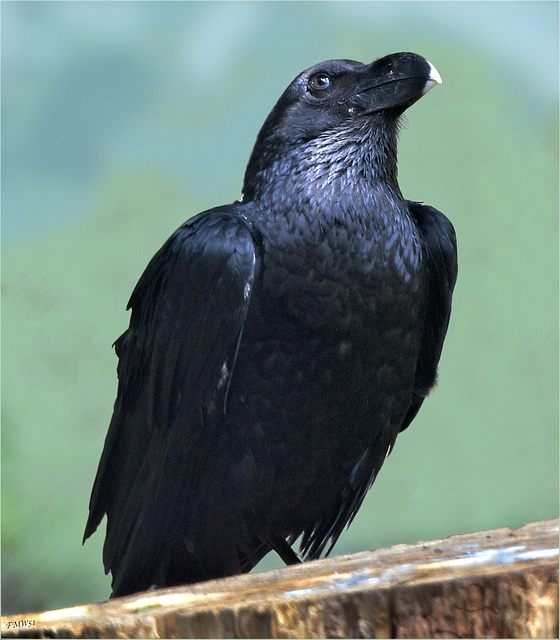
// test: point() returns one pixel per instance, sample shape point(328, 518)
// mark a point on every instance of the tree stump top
point(496, 584)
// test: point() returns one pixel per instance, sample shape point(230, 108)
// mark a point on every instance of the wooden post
point(490, 584)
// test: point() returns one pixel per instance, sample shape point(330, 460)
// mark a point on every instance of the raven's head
point(341, 103)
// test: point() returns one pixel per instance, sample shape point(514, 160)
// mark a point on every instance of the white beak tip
point(433, 79)
point(434, 74)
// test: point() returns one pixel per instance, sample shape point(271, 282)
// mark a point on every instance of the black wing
point(440, 244)
point(188, 311)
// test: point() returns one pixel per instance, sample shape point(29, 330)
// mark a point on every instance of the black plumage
point(279, 344)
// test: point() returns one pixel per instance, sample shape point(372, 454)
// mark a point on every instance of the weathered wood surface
point(491, 584)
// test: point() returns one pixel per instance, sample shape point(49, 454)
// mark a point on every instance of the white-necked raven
point(279, 344)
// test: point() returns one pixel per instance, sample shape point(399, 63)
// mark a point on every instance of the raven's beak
point(394, 83)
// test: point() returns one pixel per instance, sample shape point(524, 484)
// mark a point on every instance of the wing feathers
point(441, 251)
point(188, 310)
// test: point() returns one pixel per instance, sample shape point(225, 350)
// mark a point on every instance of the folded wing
point(175, 362)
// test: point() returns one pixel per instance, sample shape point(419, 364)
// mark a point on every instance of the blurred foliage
point(121, 120)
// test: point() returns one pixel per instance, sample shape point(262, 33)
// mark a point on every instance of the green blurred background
point(122, 119)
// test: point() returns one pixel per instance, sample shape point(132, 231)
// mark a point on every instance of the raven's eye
point(319, 82)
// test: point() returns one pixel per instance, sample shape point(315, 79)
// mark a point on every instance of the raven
point(279, 344)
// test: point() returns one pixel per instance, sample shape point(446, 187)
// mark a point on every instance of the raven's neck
point(357, 157)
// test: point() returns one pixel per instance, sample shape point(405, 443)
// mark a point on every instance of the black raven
point(278, 345)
